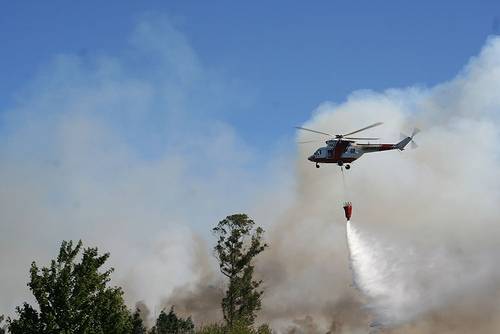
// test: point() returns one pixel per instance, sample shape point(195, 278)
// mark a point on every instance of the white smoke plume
point(136, 162)
point(426, 221)
point(75, 163)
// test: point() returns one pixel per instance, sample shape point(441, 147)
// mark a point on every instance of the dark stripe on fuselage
point(385, 147)
point(333, 161)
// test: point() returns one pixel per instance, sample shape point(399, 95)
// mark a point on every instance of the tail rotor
point(412, 142)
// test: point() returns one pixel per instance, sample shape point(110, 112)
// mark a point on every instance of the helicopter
point(342, 149)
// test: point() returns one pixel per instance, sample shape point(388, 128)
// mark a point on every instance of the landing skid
point(340, 164)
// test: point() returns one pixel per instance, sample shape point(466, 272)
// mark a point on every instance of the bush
point(237, 328)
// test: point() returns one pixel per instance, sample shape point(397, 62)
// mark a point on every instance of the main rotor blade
point(321, 133)
point(309, 141)
point(363, 129)
point(359, 138)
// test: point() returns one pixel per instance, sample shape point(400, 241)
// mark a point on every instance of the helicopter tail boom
point(367, 148)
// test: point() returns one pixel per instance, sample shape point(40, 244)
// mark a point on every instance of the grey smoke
point(96, 150)
point(432, 213)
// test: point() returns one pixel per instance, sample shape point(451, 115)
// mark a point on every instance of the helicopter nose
point(311, 158)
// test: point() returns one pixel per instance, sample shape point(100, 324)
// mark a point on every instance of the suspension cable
point(346, 192)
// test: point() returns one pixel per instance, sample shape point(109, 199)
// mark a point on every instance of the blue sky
point(283, 58)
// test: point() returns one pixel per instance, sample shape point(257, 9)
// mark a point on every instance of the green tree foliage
point(239, 242)
point(172, 324)
point(212, 329)
point(137, 323)
point(73, 297)
point(2, 325)
point(264, 329)
point(236, 329)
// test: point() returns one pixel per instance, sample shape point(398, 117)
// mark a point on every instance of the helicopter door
point(329, 154)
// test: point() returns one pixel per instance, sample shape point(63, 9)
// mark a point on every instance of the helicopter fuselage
point(346, 151)
point(343, 149)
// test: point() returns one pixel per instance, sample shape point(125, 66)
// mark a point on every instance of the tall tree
point(172, 324)
point(73, 297)
point(239, 242)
